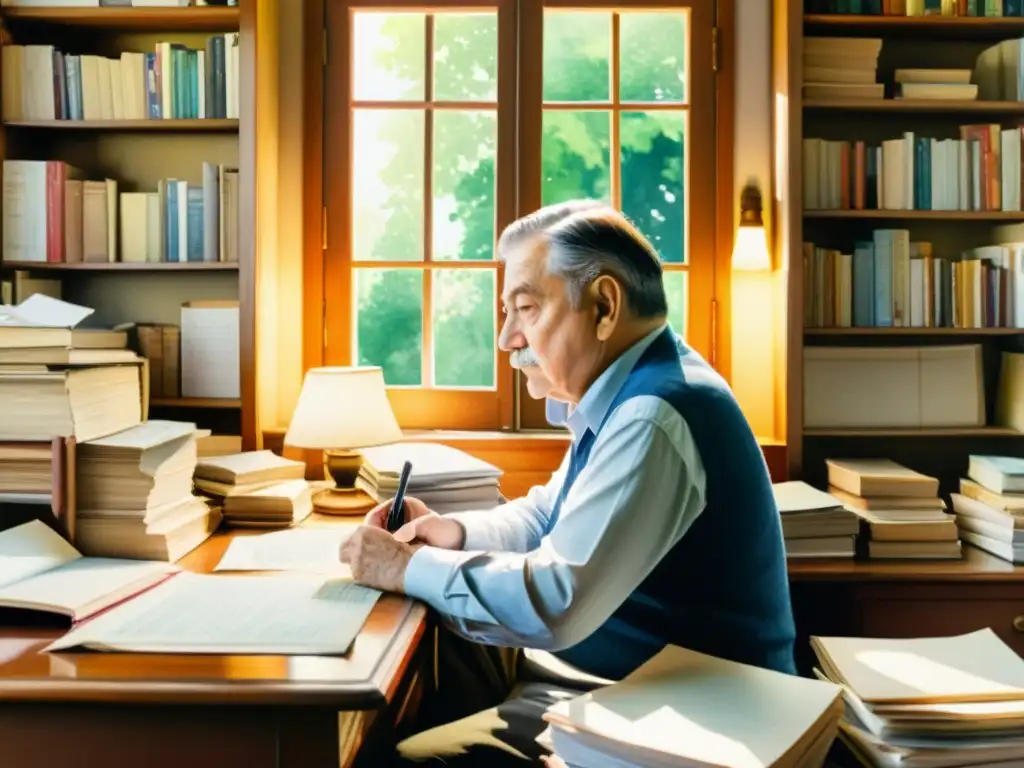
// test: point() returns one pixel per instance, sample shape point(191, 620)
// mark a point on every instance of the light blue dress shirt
point(524, 579)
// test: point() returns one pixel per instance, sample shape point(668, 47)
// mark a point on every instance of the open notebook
point(40, 571)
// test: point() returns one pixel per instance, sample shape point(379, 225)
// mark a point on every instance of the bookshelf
point(908, 42)
point(138, 154)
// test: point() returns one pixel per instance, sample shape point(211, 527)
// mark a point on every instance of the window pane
point(466, 57)
point(577, 56)
point(675, 290)
point(389, 322)
point(387, 184)
point(388, 56)
point(653, 178)
point(575, 156)
point(463, 305)
point(464, 152)
point(652, 56)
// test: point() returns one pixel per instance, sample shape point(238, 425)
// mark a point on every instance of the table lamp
point(339, 411)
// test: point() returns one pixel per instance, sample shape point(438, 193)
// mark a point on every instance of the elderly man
point(660, 526)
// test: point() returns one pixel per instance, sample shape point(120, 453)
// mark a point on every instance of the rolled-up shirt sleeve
point(517, 526)
point(642, 488)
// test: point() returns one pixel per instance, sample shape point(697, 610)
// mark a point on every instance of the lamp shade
point(750, 252)
point(343, 408)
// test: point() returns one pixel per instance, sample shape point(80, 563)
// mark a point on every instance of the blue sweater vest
point(723, 588)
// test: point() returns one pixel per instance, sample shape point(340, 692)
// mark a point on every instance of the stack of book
point(135, 494)
point(444, 478)
point(59, 380)
point(814, 523)
point(938, 701)
point(684, 708)
point(990, 506)
point(902, 516)
point(257, 488)
point(842, 68)
point(935, 84)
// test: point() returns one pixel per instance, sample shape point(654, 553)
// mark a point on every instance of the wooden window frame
point(327, 264)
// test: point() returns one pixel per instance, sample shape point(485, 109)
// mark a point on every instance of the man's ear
point(607, 298)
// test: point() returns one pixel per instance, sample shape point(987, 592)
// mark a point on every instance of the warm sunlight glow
point(928, 676)
point(750, 253)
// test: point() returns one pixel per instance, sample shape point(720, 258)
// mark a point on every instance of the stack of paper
point(931, 702)
point(258, 488)
point(814, 523)
point(990, 506)
point(135, 494)
point(57, 380)
point(444, 478)
point(903, 516)
point(683, 708)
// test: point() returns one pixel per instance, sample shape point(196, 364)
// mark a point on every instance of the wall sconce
point(750, 252)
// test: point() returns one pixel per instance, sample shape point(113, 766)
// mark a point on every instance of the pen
point(395, 515)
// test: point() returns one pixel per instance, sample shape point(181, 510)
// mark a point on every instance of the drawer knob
point(1018, 623)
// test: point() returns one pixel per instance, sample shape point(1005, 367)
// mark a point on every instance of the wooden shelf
point(913, 331)
point(170, 266)
point(210, 125)
point(194, 402)
point(932, 215)
point(933, 432)
point(923, 26)
point(925, 106)
point(200, 19)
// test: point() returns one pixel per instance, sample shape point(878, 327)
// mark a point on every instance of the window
point(439, 131)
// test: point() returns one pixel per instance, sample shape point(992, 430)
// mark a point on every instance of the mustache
point(524, 358)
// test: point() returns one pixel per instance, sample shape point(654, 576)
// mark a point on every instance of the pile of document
point(257, 488)
point(938, 702)
point(814, 523)
point(134, 494)
point(444, 478)
point(683, 708)
point(59, 380)
point(900, 509)
point(990, 506)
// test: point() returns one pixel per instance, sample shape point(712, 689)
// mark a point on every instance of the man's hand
point(412, 509)
point(377, 558)
point(422, 525)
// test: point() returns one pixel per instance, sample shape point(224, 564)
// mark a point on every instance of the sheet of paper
point(83, 581)
point(797, 496)
point(46, 311)
point(295, 549)
point(30, 549)
point(194, 613)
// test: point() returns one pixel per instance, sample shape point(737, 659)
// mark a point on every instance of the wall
point(279, 213)
point(754, 295)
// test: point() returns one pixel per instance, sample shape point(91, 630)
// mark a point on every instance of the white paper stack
point(814, 523)
point(683, 708)
point(934, 702)
point(444, 478)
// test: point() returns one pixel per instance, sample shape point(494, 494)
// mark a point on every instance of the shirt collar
point(594, 405)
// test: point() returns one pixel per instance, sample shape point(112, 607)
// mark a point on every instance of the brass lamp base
point(344, 499)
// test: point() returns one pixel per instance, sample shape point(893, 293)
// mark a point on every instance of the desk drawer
point(920, 616)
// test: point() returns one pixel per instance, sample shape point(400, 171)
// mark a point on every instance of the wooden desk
point(907, 599)
point(78, 710)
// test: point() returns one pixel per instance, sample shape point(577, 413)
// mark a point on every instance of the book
point(40, 571)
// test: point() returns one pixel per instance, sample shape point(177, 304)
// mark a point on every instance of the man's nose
point(509, 337)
